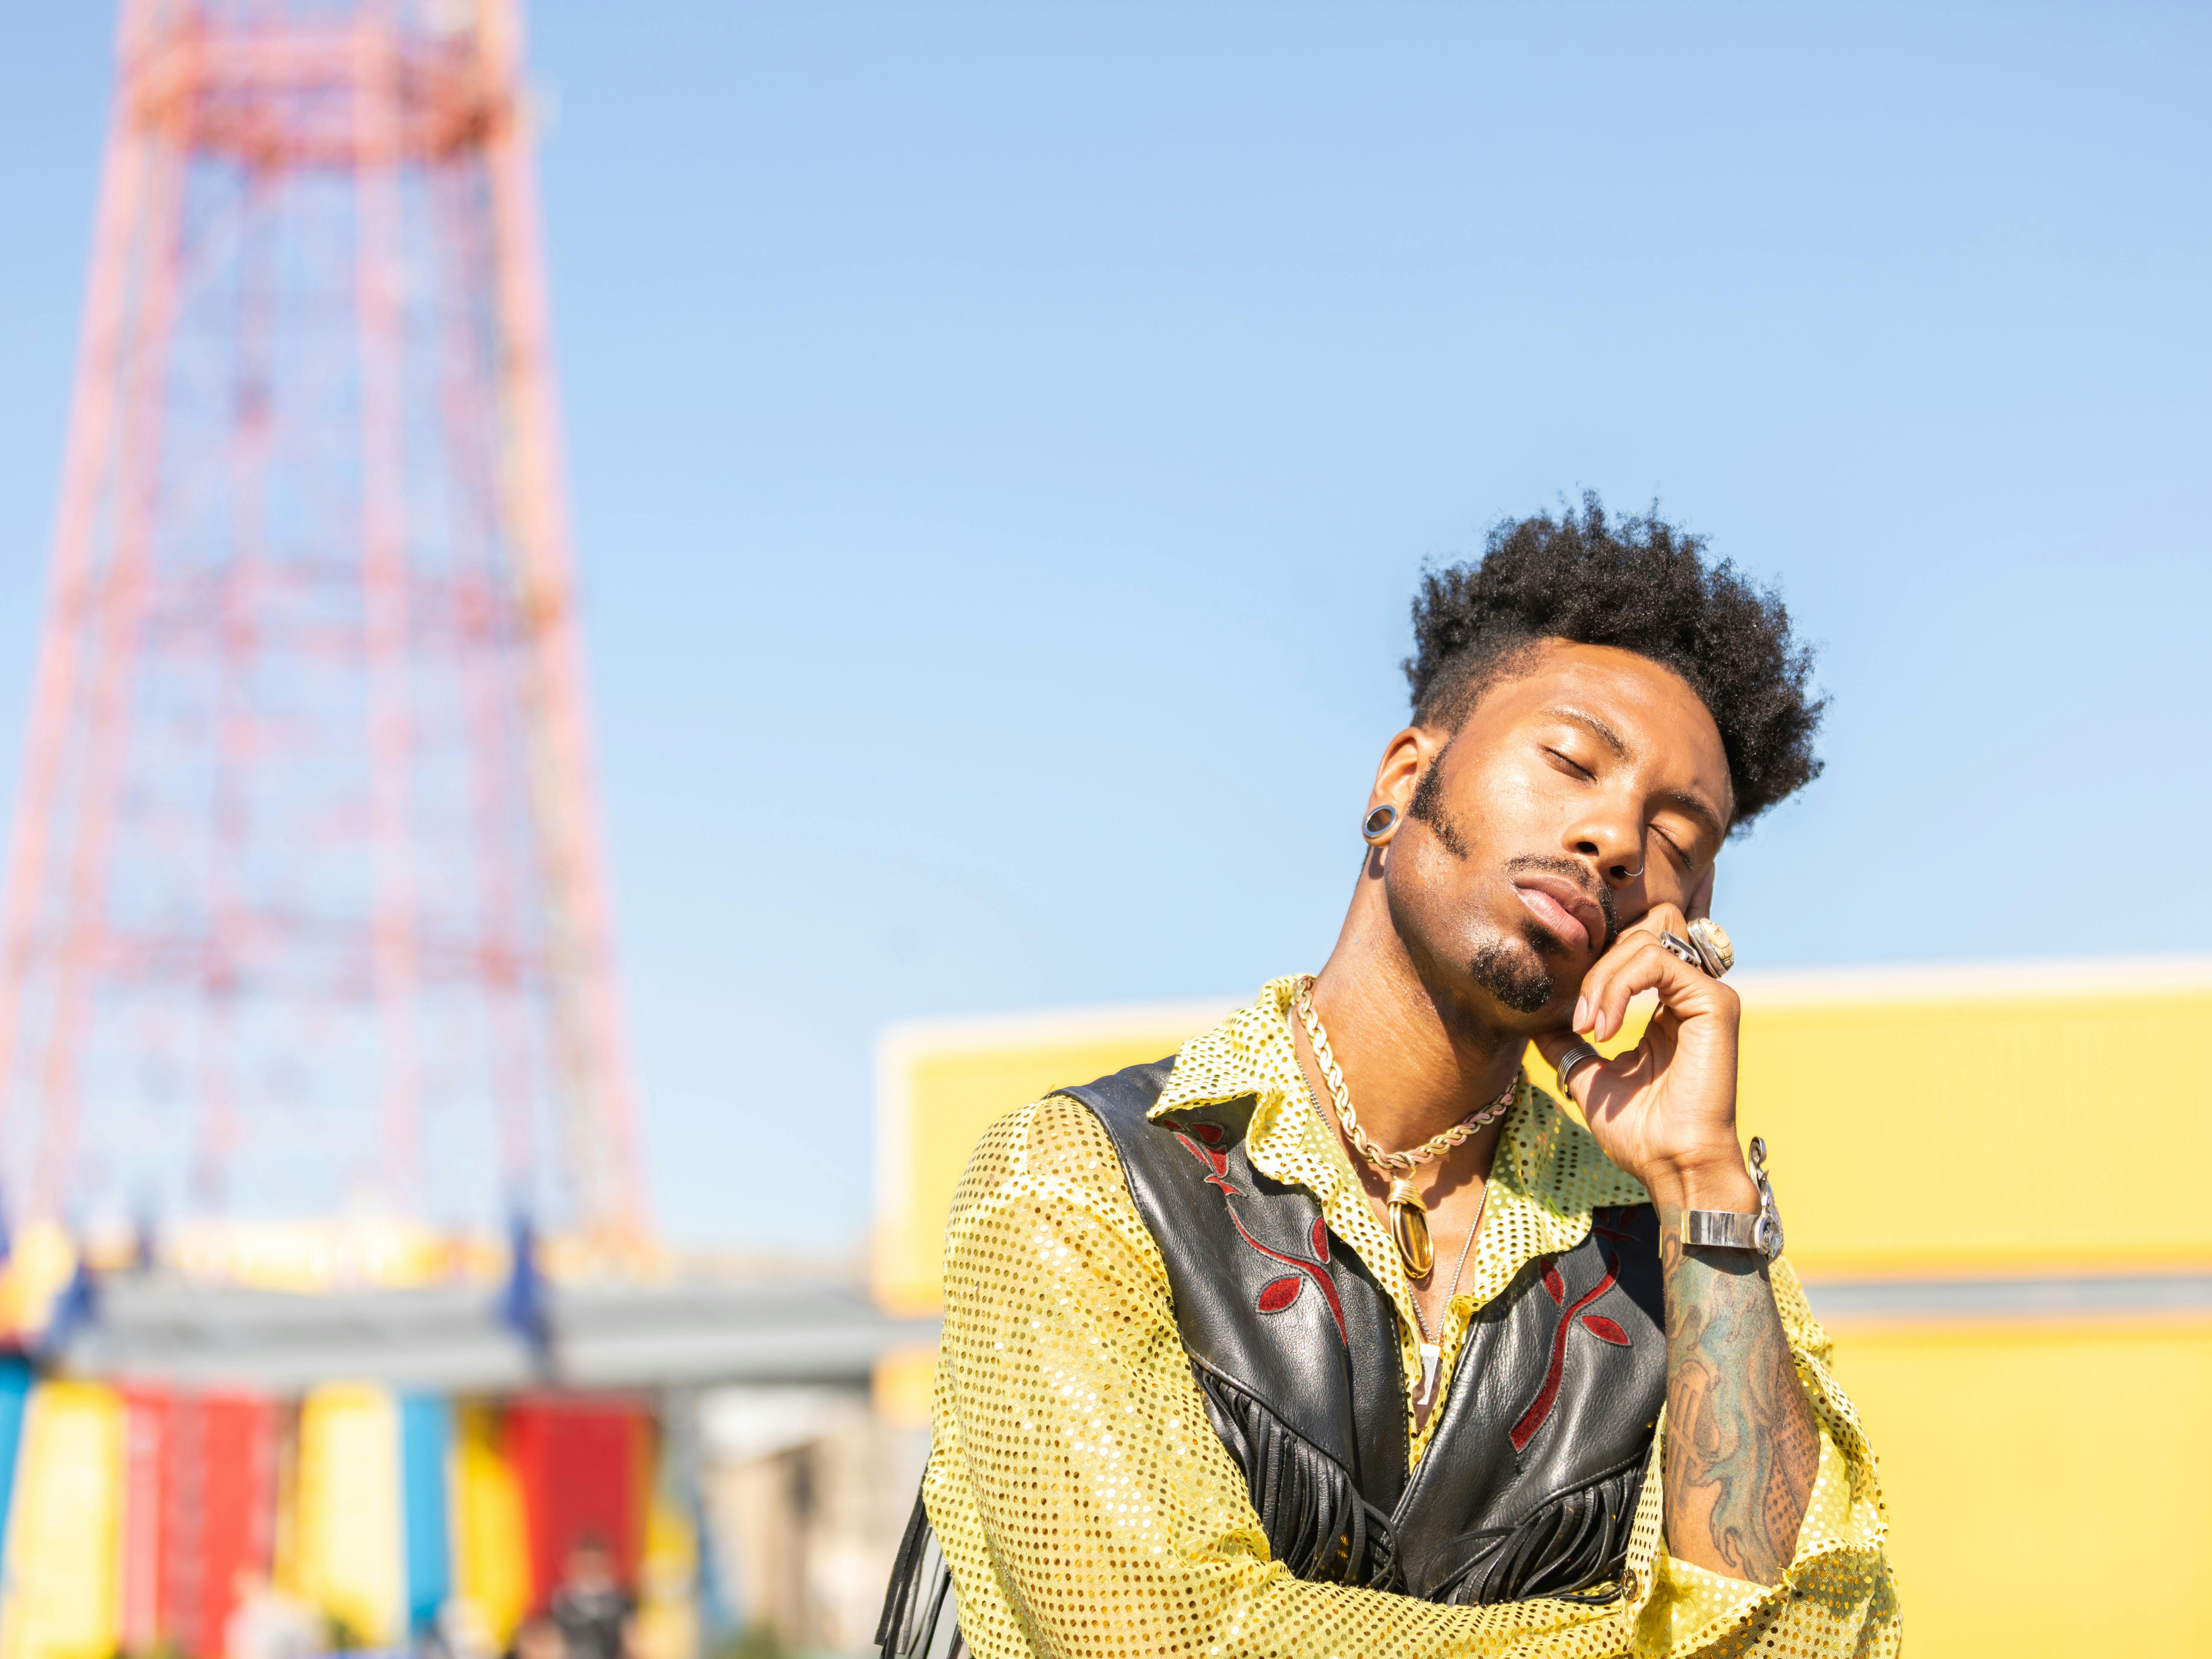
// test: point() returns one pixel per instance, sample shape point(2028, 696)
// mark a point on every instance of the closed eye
point(1570, 763)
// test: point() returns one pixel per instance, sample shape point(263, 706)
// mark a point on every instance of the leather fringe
point(920, 1618)
point(1577, 1540)
point(1315, 1521)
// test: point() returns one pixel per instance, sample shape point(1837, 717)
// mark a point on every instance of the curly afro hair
point(1643, 585)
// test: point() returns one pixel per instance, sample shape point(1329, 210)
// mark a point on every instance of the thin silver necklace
point(1433, 1357)
point(1432, 1350)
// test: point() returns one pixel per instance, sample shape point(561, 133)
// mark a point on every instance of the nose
point(1613, 844)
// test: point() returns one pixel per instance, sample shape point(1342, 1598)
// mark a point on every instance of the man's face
point(1577, 795)
point(591, 1566)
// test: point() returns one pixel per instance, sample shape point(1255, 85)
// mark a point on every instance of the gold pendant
point(1409, 1228)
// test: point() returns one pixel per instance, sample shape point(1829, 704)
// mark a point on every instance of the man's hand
point(1742, 1451)
point(1665, 1110)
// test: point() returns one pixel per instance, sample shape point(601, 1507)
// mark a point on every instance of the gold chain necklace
point(1409, 1215)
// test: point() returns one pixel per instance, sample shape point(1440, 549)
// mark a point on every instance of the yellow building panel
point(2047, 1488)
point(940, 1086)
point(64, 1527)
point(1970, 1131)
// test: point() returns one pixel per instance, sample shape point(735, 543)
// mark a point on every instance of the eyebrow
point(1681, 800)
point(1597, 728)
point(1695, 806)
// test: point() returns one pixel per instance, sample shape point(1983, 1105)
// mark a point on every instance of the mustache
point(1598, 892)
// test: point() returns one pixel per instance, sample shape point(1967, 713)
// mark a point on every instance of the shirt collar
point(1548, 1175)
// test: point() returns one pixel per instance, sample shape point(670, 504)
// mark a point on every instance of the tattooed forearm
point(1742, 1451)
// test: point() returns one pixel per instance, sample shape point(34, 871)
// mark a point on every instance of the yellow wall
point(2050, 1488)
point(2047, 1482)
point(1978, 1130)
point(939, 1086)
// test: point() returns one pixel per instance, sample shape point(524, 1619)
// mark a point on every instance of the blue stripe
point(14, 1400)
point(426, 1436)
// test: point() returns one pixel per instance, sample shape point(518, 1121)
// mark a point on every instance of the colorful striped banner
point(136, 1515)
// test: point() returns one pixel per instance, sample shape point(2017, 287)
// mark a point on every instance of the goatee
point(1515, 977)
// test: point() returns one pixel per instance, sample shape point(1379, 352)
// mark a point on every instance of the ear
point(1408, 756)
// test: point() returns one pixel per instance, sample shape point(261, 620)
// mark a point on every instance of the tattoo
point(1741, 1449)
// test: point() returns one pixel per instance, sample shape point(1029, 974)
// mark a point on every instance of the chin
point(1513, 969)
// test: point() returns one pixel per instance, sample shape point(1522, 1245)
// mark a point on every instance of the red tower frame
point(306, 906)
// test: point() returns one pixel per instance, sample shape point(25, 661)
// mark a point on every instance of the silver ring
point(1707, 949)
point(1571, 1062)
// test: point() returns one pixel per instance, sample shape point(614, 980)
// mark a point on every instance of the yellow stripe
point(348, 1558)
point(491, 1553)
point(64, 1534)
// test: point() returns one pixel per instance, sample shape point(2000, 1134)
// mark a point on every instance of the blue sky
point(1003, 440)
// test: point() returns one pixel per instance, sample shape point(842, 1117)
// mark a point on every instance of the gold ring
point(1712, 945)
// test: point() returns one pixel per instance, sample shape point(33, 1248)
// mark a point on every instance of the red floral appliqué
point(1277, 1295)
point(1605, 1329)
point(1607, 1221)
point(1218, 1162)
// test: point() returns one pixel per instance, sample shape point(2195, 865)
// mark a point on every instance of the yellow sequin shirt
point(1087, 1508)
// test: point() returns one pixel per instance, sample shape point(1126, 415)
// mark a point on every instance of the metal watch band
point(1734, 1230)
point(1729, 1229)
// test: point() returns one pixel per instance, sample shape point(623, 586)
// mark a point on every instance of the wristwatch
point(1732, 1229)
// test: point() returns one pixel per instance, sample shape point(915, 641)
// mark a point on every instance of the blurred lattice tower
point(306, 910)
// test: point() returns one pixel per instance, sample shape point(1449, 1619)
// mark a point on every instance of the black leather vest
point(1532, 1474)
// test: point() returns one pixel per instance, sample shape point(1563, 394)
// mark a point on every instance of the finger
point(1602, 992)
point(1646, 965)
point(1555, 1045)
point(1701, 902)
point(1643, 968)
point(1591, 997)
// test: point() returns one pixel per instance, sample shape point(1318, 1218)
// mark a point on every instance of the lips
point(1564, 909)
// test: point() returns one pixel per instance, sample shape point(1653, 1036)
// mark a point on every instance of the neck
point(1414, 1062)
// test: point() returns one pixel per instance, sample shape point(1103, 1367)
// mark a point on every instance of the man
point(590, 1608)
point(1330, 1336)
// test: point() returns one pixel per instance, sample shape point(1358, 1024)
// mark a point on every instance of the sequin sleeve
point(1838, 1597)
